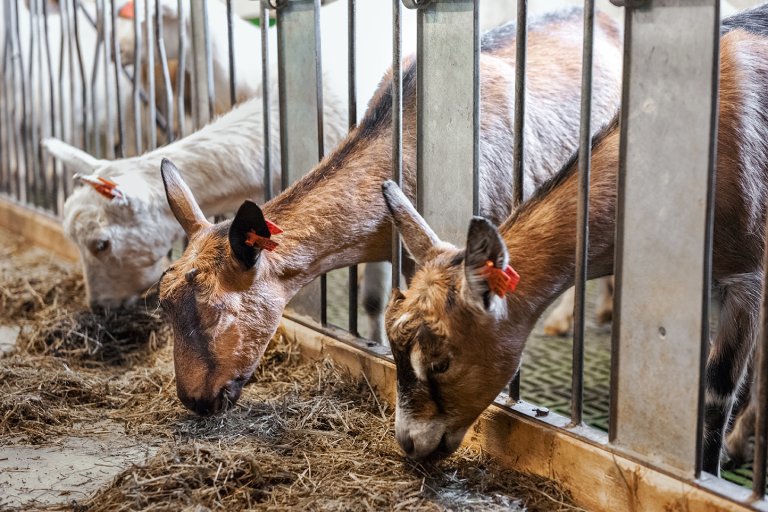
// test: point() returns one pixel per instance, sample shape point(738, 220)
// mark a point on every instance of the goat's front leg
point(728, 360)
point(560, 320)
point(377, 279)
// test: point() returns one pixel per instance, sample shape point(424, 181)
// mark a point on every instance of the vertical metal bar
point(5, 137)
point(137, 49)
point(31, 121)
point(674, 71)
point(320, 143)
point(352, 108)
point(109, 120)
point(168, 87)
point(149, 29)
point(297, 48)
point(521, 42)
point(40, 121)
point(761, 398)
point(65, 62)
point(18, 54)
point(231, 50)
point(397, 130)
point(208, 61)
point(199, 65)
point(181, 68)
point(81, 67)
point(518, 154)
point(95, 149)
point(582, 215)
point(52, 112)
point(118, 66)
point(265, 100)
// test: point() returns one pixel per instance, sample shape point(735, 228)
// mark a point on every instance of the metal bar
point(518, 151)
point(167, 85)
point(582, 215)
point(40, 121)
point(5, 137)
point(149, 28)
point(297, 76)
point(181, 69)
point(320, 144)
point(200, 96)
point(521, 42)
point(23, 180)
point(446, 158)
point(761, 398)
point(118, 66)
point(32, 121)
point(137, 49)
point(231, 51)
point(397, 130)
point(352, 108)
point(109, 120)
point(52, 112)
point(81, 67)
point(64, 106)
point(265, 100)
point(668, 115)
point(208, 61)
point(95, 149)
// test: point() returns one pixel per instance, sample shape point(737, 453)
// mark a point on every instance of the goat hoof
point(557, 328)
point(604, 316)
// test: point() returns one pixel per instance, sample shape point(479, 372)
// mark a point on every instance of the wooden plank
point(38, 228)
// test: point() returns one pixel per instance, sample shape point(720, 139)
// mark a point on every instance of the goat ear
point(484, 244)
point(73, 157)
point(249, 219)
point(418, 237)
point(181, 200)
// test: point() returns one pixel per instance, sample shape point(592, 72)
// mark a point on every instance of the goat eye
point(99, 246)
point(441, 367)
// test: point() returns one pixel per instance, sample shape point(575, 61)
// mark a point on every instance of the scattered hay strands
point(304, 436)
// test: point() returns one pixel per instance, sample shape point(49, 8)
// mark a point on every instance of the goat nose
point(406, 443)
point(205, 406)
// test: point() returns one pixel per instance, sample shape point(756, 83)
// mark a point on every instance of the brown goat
point(225, 297)
point(456, 344)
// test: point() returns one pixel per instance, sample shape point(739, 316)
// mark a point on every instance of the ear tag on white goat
point(500, 281)
point(103, 186)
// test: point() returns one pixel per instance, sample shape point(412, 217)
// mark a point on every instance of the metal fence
point(63, 77)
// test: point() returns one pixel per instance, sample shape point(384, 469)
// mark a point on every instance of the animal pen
point(606, 426)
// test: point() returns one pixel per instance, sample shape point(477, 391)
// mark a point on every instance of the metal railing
point(69, 81)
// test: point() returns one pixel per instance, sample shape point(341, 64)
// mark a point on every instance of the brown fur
point(335, 216)
point(485, 348)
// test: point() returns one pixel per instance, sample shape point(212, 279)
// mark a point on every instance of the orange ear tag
point(128, 11)
point(500, 281)
point(103, 186)
point(262, 242)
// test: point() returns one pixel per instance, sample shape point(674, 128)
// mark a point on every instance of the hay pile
point(304, 436)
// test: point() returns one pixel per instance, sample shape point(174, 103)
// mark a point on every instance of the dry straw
point(304, 436)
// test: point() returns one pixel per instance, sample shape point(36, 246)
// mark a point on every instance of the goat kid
point(456, 343)
point(225, 295)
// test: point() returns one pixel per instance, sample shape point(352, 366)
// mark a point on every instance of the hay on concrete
point(303, 435)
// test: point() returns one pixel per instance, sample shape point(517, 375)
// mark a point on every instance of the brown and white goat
point(225, 297)
point(456, 344)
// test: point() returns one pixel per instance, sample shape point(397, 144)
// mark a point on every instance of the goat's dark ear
point(248, 219)
point(484, 244)
point(417, 236)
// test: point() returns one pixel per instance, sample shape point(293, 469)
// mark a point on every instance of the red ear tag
point(273, 228)
point(500, 281)
point(128, 11)
point(262, 242)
